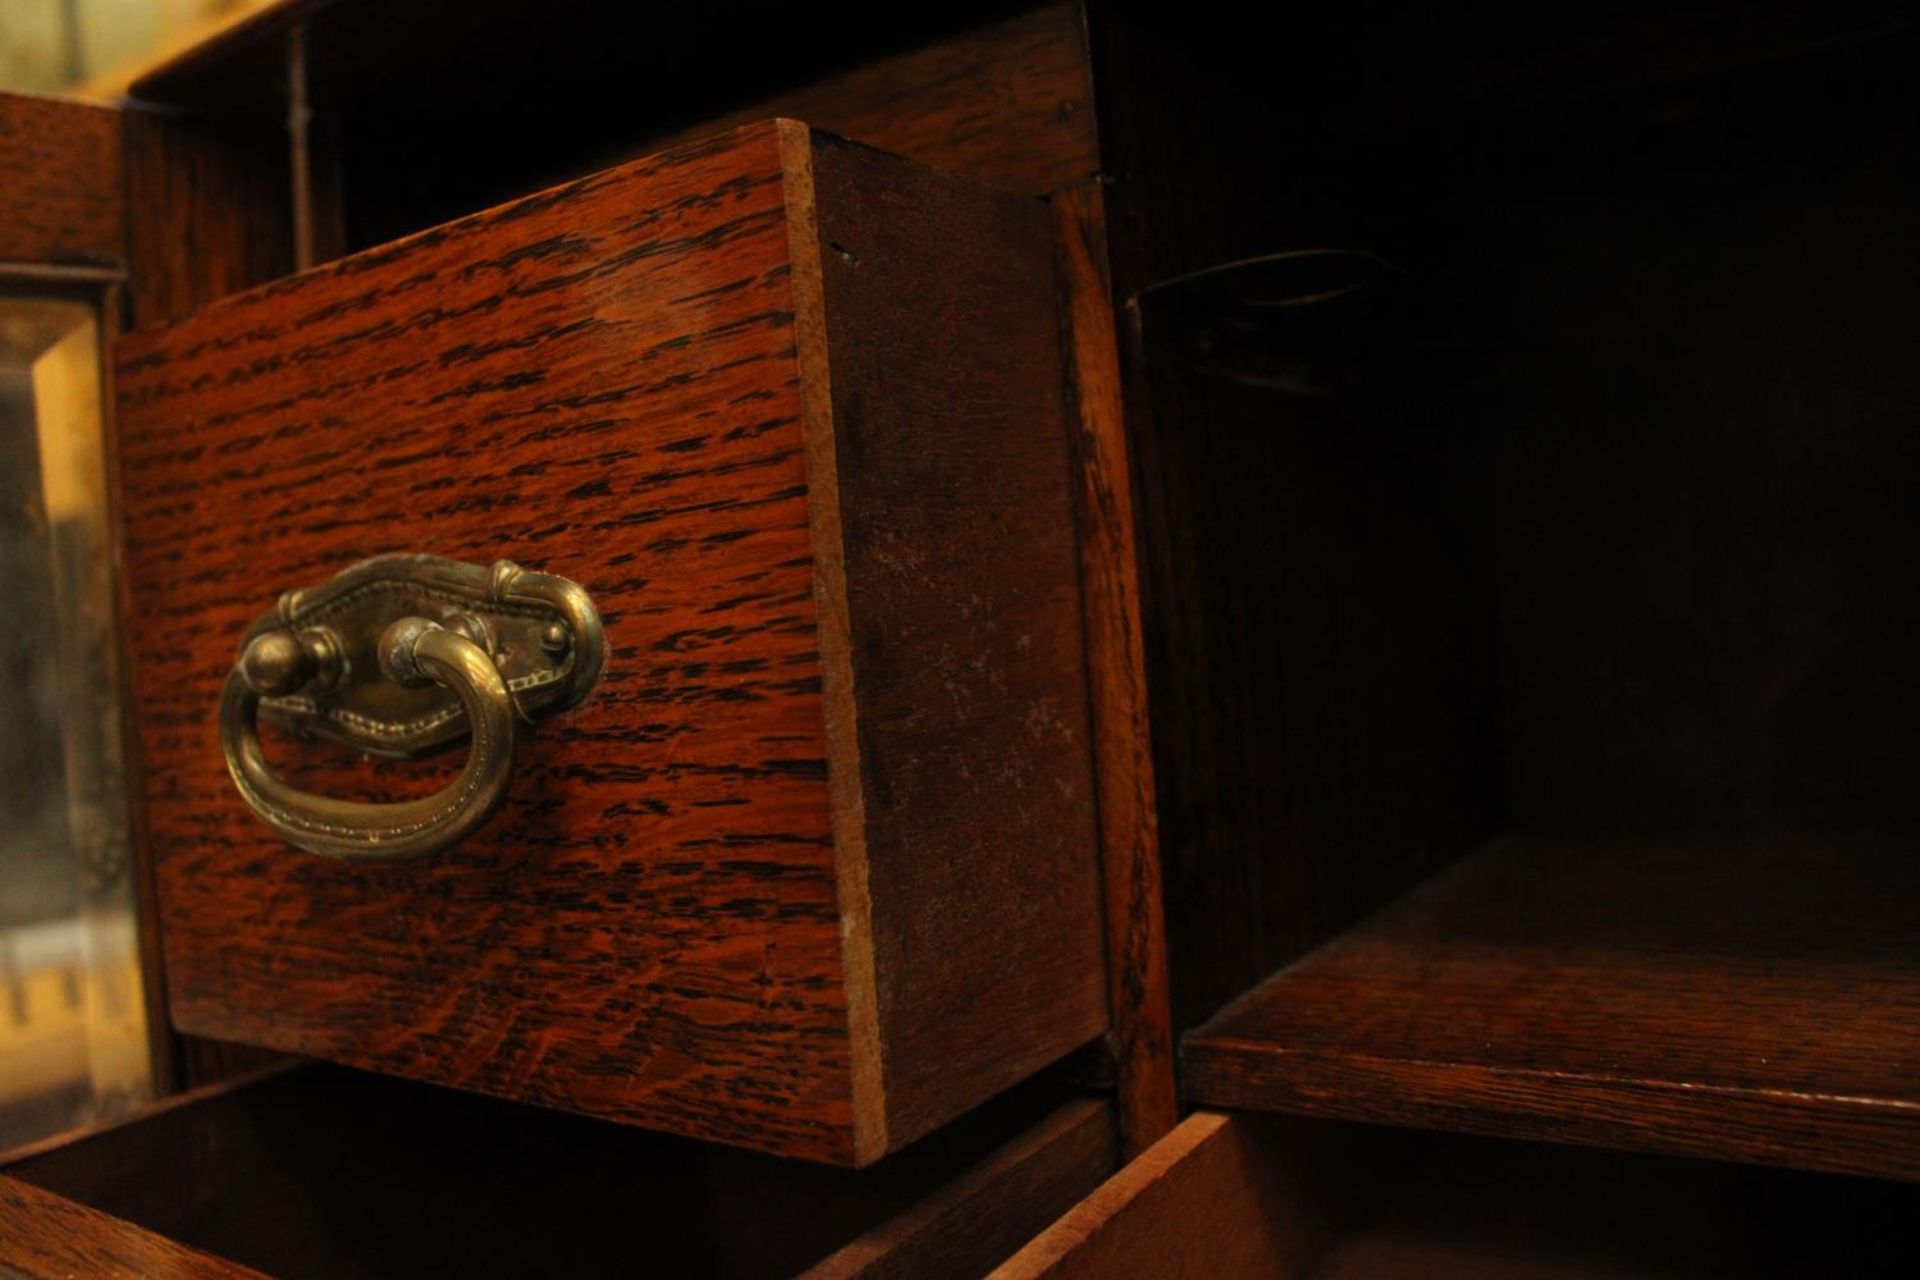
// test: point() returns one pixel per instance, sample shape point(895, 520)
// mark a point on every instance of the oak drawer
point(813, 869)
point(329, 1173)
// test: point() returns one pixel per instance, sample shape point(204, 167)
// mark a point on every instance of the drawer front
point(791, 412)
point(1213, 1200)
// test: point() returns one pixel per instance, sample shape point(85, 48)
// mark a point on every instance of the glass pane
point(73, 1031)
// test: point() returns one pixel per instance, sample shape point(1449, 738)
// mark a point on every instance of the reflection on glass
point(73, 1033)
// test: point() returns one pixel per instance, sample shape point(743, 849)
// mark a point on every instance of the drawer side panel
point(961, 570)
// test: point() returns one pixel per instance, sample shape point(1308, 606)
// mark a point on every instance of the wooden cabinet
point(1377, 583)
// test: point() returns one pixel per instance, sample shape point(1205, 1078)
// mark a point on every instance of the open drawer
point(324, 1172)
point(812, 867)
point(1229, 1196)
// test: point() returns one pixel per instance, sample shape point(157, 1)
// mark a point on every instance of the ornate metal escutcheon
point(396, 656)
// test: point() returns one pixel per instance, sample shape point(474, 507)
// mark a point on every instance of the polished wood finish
point(1141, 1035)
point(1749, 999)
point(1208, 1201)
point(1231, 1196)
point(46, 1237)
point(842, 731)
point(987, 1211)
point(60, 200)
point(208, 216)
point(1009, 102)
point(208, 209)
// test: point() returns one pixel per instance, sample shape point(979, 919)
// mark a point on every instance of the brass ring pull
point(336, 662)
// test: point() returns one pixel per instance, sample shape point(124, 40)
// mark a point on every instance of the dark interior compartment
point(1593, 536)
point(324, 1172)
point(1386, 1205)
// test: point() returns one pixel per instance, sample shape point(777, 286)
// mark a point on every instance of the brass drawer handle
point(396, 656)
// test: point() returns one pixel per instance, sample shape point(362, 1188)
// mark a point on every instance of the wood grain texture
point(1750, 999)
point(209, 209)
point(1009, 102)
point(45, 1237)
point(999, 92)
point(60, 186)
point(1346, 1202)
point(606, 381)
point(965, 648)
point(1141, 1035)
point(985, 1212)
point(600, 382)
point(1208, 1201)
point(209, 217)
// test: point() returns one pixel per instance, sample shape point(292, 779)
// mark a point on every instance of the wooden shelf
point(1730, 998)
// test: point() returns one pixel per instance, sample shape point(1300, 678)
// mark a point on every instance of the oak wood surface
point(208, 215)
point(999, 92)
point(1741, 998)
point(1244, 1195)
point(611, 381)
point(1141, 1035)
point(1206, 1201)
point(965, 647)
point(208, 210)
point(984, 1212)
point(609, 367)
point(46, 1237)
point(60, 184)
point(1009, 101)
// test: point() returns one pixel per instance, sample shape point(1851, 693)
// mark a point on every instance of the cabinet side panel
point(952, 445)
point(599, 381)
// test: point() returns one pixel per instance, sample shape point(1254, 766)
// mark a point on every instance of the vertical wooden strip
point(987, 1211)
point(59, 182)
point(205, 217)
point(1129, 833)
point(845, 789)
point(956, 490)
point(208, 210)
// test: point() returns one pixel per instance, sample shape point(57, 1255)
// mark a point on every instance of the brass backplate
point(541, 631)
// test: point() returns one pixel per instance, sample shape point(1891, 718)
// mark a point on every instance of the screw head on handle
point(397, 660)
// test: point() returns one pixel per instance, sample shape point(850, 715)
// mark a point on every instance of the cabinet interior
point(1574, 545)
point(1383, 1205)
